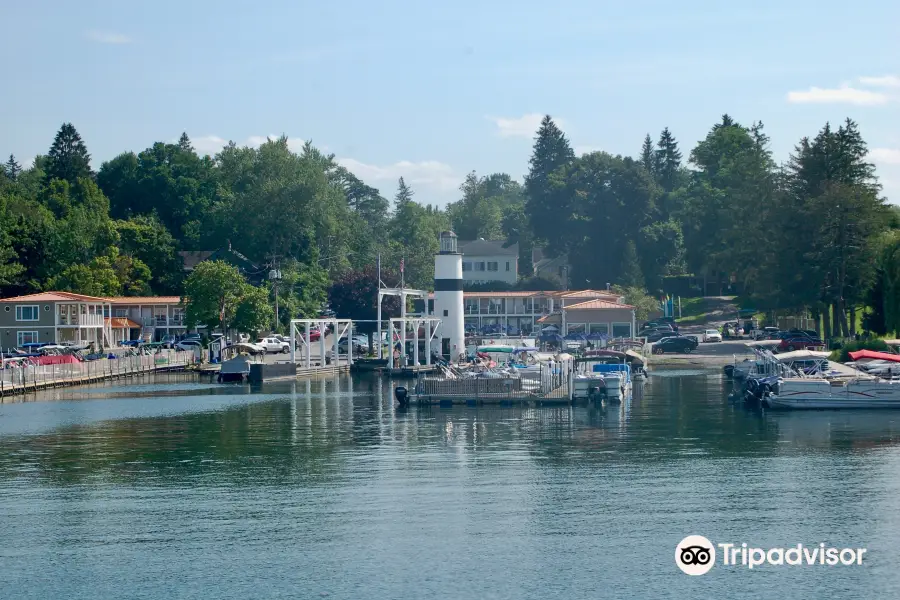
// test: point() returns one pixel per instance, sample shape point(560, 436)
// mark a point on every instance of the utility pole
point(275, 277)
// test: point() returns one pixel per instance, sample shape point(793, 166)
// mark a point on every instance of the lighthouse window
point(446, 313)
point(492, 266)
point(507, 265)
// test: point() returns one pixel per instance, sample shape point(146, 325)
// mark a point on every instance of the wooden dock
point(33, 378)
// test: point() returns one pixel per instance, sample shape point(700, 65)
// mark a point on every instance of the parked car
point(765, 333)
point(189, 344)
point(273, 344)
point(804, 332)
point(675, 344)
point(799, 343)
point(661, 334)
point(712, 335)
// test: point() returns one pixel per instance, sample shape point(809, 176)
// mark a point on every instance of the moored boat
point(858, 392)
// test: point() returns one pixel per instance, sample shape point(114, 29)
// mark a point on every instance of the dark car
point(658, 335)
point(803, 333)
point(651, 330)
point(675, 344)
point(799, 343)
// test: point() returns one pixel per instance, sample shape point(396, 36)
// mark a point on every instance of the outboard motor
point(402, 395)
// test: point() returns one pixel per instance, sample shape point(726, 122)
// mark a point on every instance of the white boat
point(601, 375)
point(815, 393)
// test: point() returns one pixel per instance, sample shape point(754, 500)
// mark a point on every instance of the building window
point(479, 266)
point(121, 312)
point(467, 266)
point(28, 313)
point(26, 337)
point(575, 329)
point(601, 328)
point(507, 265)
point(621, 330)
point(492, 266)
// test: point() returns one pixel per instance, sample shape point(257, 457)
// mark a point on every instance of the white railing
point(16, 376)
point(90, 320)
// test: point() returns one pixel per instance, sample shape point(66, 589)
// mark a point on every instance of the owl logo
point(695, 555)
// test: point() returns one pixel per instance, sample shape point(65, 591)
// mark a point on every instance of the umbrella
point(596, 336)
point(550, 328)
point(551, 338)
point(577, 337)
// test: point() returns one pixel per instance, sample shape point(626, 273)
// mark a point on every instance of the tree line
point(811, 234)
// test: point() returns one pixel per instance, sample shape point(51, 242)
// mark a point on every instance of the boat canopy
point(801, 354)
point(763, 343)
point(872, 355)
point(496, 348)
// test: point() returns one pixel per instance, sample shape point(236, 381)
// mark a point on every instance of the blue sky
point(433, 90)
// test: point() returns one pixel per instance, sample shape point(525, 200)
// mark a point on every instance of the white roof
point(802, 354)
point(763, 343)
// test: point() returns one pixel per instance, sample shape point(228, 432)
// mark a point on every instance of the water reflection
point(324, 487)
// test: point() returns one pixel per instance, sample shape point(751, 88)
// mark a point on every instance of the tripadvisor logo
point(696, 555)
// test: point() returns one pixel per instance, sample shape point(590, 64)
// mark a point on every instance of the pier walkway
point(30, 377)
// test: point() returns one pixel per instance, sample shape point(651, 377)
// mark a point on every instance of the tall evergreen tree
point(648, 155)
point(403, 197)
point(668, 160)
point(631, 268)
point(184, 143)
point(12, 168)
point(547, 211)
point(68, 158)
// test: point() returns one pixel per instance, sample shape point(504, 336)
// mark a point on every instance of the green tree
point(68, 158)
point(145, 238)
point(96, 278)
point(211, 294)
point(253, 313)
point(644, 305)
point(12, 168)
point(668, 161)
point(631, 268)
point(648, 157)
point(547, 205)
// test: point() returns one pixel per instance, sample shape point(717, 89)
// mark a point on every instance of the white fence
point(16, 376)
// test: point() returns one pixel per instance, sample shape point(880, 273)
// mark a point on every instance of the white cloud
point(428, 173)
point(579, 150)
point(107, 37)
point(524, 126)
point(841, 95)
point(207, 144)
point(212, 144)
point(885, 156)
point(889, 81)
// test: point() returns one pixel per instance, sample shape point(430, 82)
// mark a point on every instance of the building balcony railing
point(90, 320)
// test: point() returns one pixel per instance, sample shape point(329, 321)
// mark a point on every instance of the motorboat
point(602, 374)
point(817, 393)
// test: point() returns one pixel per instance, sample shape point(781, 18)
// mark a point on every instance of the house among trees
point(253, 273)
point(489, 260)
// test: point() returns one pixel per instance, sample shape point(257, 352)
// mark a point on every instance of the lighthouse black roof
point(448, 243)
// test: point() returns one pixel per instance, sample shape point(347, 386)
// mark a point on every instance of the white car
point(273, 344)
point(191, 344)
point(712, 335)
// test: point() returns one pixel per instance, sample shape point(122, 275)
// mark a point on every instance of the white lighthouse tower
point(448, 296)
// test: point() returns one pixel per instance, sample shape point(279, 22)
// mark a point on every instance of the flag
point(401, 265)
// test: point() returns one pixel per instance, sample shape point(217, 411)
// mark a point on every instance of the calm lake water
point(179, 488)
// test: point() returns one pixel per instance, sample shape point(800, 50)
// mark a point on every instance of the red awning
point(122, 323)
point(872, 355)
